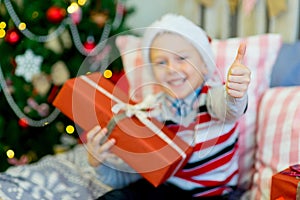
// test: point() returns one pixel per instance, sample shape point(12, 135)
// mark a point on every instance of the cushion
point(287, 66)
point(260, 56)
point(278, 139)
point(293, 76)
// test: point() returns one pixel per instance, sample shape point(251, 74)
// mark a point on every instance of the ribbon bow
point(140, 110)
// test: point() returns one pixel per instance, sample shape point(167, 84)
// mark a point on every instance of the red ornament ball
point(55, 14)
point(89, 46)
point(12, 36)
point(23, 123)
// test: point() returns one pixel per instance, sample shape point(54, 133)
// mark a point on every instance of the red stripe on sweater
point(212, 165)
point(215, 141)
point(212, 193)
point(208, 183)
point(205, 89)
point(201, 118)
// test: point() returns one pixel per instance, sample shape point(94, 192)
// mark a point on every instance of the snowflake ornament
point(28, 65)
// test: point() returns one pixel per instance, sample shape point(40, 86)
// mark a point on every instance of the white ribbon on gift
point(140, 111)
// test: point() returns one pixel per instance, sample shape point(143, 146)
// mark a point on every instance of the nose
point(173, 65)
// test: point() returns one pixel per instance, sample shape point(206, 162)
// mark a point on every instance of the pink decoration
point(42, 109)
point(76, 16)
point(22, 161)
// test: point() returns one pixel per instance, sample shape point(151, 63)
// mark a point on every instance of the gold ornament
point(41, 83)
point(54, 44)
point(99, 18)
point(66, 39)
point(276, 7)
point(59, 73)
point(60, 43)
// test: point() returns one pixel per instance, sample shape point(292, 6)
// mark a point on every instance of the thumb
point(241, 53)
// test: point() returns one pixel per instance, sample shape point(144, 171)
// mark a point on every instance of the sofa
point(278, 116)
point(269, 131)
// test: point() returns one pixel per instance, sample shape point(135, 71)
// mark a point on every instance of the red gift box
point(144, 143)
point(285, 185)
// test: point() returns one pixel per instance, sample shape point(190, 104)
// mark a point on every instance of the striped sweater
point(212, 169)
point(211, 128)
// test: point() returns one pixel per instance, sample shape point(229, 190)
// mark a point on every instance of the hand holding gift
point(98, 153)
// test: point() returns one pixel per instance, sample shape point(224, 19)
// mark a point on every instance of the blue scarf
point(182, 107)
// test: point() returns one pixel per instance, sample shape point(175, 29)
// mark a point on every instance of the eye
point(182, 58)
point(160, 63)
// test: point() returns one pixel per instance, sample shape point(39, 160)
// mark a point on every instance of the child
point(182, 63)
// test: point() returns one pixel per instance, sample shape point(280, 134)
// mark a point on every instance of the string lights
point(68, 22)
point(64, 24)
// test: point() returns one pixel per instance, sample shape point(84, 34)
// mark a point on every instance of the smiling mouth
point(176, 82)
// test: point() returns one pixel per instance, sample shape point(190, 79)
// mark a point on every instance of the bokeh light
point(107, 73)
point(2, 25)
point(81, 2)
point(72, 8)
point(10, 153)
point(70, 129)
point(2, 33)
point(22, 26)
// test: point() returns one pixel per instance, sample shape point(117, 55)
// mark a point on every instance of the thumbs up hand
point(238, 77)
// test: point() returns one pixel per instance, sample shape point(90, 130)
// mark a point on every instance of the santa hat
point(182, 26)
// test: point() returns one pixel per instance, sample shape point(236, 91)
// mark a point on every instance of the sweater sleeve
point(224, 107)
point(116, 173)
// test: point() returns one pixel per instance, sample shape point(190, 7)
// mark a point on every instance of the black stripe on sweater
point(169, 122)
point(206, 160)
point(205, 189)
point(202, 108)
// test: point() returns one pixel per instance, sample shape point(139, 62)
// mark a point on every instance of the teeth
point(176, 82)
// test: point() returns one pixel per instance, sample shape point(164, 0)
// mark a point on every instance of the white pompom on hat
point(180, 25)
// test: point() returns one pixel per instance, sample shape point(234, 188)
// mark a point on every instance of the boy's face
point(177, 65)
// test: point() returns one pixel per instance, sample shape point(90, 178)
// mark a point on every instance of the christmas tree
point(42, 44)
